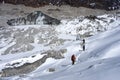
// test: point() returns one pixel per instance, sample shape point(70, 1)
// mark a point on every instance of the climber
point(73, 59)
point(83, 44)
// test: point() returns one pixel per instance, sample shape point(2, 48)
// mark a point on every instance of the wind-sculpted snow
point(26, 65)
point(26, 38)
point(34, 18)
point(87, 26)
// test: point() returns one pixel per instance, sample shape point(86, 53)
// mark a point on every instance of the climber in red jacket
point(73, 59)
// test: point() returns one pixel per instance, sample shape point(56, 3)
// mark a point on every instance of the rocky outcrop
point(34, 18)
point(101, 4)
point(24, 69)
point(28, 67)
point(55, 54)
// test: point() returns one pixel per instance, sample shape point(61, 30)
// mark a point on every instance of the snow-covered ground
point(100, 60)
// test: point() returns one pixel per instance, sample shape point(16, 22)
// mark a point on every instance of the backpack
point(73, 58)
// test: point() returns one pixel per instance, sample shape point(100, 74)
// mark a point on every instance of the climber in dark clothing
point(83, 41)
point(83, 44)
point(83, 47)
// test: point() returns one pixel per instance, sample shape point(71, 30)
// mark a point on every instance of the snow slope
point(100, 61)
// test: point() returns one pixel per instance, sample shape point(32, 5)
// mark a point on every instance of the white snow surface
point(100, 60)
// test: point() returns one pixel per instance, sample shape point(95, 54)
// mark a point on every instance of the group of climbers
point(73, 57)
